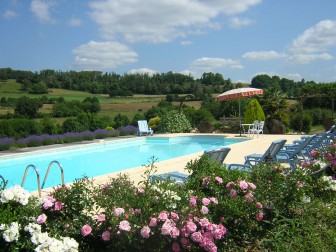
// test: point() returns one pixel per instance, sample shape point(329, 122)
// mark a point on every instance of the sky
point(293, 39)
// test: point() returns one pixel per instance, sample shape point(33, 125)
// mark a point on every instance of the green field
point(128, 106)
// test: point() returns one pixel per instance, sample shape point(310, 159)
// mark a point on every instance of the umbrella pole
point(239, 120)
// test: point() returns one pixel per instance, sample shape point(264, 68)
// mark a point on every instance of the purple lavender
point(6, 143)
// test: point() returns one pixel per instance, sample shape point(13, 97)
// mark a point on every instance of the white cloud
point(293, 76)
point(9, 14)
point(143, 71)
point(313, 43)
point(75, 22)
point(199, 66)
point(161, 21)
point(41, 9)
point(239, 22)
point(307, 58)
point(262, 55)
point(103, 55)
point(186, 43)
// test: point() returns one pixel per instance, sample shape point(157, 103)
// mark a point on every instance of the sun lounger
point(255, 159)
point(217, 155)
point(295, 153)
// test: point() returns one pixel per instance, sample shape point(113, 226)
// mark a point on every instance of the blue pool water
point(102, 158)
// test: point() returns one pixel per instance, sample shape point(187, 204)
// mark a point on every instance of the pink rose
point(174, 216)
point(174, 232)
point(249, 197)
point(229, 184)
point(196, 237)
point(214, 200)
point(219, 232)
point(299, 184)
point(47, 204)
point(140, 190)
point(86, 230)
point(191, 227)
point(204, 222)
point(219, 180)
point(106, 236)
point(243, 185)
point(153, 222)
point(58, 206)
point(259, 205)
point(259, 216)
point(167, 227)
point(205, 201)
point(251, 185)
point(176, 247)
point(163, 216)
point(124, 226)
point(204, 210)
point(101, 217)
point(233, 193)
point(193, 201)
point(185, 242)
point(118, 211)
point(41, 219)
point(145, 231)
point(205, 181)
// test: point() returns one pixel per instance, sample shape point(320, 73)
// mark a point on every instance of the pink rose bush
point(215, 210)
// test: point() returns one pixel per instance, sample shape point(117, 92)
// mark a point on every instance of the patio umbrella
point(238, 93)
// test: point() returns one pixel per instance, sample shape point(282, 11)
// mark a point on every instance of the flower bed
point(215, 210)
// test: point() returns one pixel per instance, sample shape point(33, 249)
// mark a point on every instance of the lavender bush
point(128, 130)
point(6, 143)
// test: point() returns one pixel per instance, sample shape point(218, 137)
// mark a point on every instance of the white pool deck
point(256, 144)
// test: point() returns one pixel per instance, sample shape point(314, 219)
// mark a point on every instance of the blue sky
point(294, 39)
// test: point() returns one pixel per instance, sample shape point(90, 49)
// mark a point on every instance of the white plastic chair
point(257, 128)
point(143, 128)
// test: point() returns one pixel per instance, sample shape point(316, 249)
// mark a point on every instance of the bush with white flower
point(20, 224)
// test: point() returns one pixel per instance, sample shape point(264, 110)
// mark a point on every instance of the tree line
point(312, 94)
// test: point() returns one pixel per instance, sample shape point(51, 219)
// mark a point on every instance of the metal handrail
point(37, 176)
point(3, 185)
point(47, 173)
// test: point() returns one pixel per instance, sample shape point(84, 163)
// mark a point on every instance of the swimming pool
point(103, 157)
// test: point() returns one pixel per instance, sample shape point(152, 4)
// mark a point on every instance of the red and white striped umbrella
point(238, 93)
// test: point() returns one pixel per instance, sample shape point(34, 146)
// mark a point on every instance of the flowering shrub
point(21, 224)
point(174, 122)
point(215, 210)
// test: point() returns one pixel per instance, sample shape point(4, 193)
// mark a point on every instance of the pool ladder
point(45, 177)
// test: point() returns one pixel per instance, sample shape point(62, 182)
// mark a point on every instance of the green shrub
point(174, 122)
point(154, 123)
point(120, 121)
point(318, 115)
point(73, 125)
point(253, 112)
point(300, 122)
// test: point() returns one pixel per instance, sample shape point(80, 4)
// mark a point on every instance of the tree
point(120, 121)
point(91, 105)
point(253, 112)
point(261, 81)
point(38, 88)
point(274, 105)
point(27, 107)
